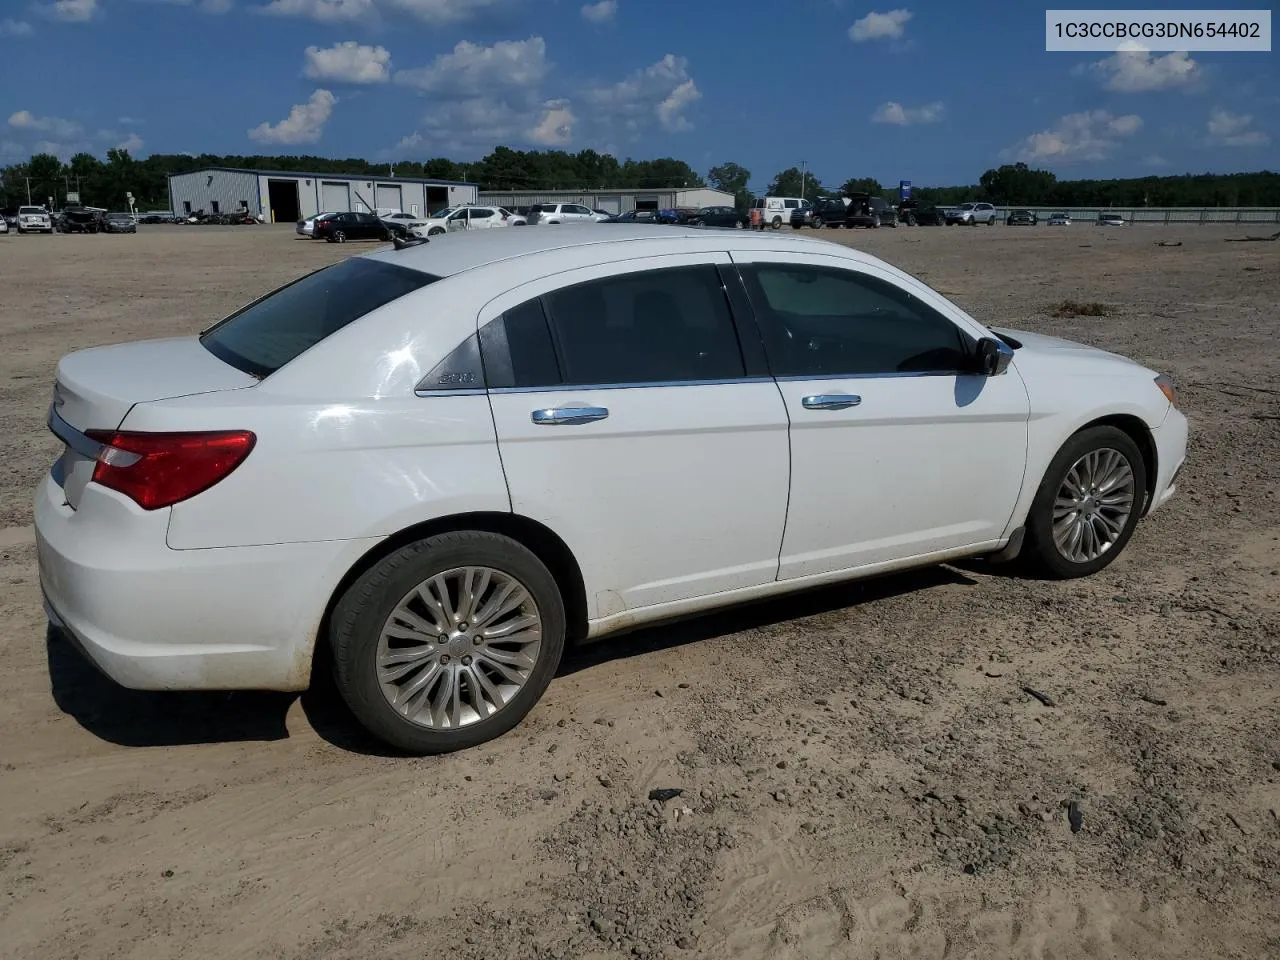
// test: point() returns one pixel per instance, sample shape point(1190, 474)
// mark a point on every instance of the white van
point(775, 211)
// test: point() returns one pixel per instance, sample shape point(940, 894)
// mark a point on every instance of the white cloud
point(1090, 135)
point(880, 26)
point(430, 12)
point(1234, 129)
point(54, 126)
point(15, 28)
point(12, 150)
point(326, 11)
point(304, 124)
point(474, 69)
point(130, 121)
point(1135, 70)
point(895, 113)
point(133, 143)
point(206, 6)
point(661, 91)
point(601, 12)
point(73, 11)
point(555, 129)
point(349, 62)
point(485, 95)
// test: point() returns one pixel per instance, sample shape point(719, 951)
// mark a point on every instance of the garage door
point(335, 197)
point(387, 196)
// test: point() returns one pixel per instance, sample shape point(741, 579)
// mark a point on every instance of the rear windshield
point(268, 333)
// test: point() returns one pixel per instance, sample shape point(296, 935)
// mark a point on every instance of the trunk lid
point(95, 388)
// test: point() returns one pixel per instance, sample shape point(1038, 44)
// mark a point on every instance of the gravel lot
point(862, 774)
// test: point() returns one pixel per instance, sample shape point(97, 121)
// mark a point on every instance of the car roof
point(460, 252)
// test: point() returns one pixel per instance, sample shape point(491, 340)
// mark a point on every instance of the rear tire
point(339, 237)
point(1056, 502)
point(363, 613)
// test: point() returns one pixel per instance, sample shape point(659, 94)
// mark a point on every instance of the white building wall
point(203, 188)
point(704, 197)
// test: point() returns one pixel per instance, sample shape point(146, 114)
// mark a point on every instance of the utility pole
point(804, 165)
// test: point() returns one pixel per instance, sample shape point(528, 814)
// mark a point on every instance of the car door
point(630, 423)
point(482, 218)
point(897, 450)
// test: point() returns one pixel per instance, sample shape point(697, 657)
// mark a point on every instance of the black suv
point(865, 210)
point(822, 211)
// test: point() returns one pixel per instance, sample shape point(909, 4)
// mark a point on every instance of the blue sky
point(934, 92)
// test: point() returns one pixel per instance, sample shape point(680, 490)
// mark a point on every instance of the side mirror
point(993, 357)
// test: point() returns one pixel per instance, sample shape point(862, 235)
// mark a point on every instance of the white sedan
point(449, 459)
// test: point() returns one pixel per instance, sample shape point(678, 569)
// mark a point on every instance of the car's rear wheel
point(1088, 504)
point(816, 223)
point(339, 236)
point(448, 642)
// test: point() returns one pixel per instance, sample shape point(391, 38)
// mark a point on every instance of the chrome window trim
point(446, 392)
point(875, 376)
point(632, 386)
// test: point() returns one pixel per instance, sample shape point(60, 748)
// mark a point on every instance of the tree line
point(105, 182)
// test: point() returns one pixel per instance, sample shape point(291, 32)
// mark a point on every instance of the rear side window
point(262, 337)
point(649, 327)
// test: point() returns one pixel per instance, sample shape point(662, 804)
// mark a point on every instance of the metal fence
point(1161, 214)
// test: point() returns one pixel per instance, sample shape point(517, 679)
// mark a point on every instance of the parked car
point(549, 213)
point(474, 217)
point(1110, 220)
point(512, 500)
point(972, 214)
point(4, 226)
point(1059, 220)
point(120, 223)
point(307, 227)
point(912, 214)
point(865, 210)
point(1021, 218)
point(820, 212)
point(643, 216)
point(83, 220)
point(10, 217)
point(34, 220)
point(775, 211)
point(401, 219)
point(719, 217)
point(341, 227)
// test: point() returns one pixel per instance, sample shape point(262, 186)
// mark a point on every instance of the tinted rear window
point(268, 333)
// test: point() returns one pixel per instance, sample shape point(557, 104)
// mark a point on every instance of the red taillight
point(160, 469)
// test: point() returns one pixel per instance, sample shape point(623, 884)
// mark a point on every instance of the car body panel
point(634, 468)
point(228, 589)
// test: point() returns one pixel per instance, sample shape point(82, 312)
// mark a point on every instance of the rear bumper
point(152, 618)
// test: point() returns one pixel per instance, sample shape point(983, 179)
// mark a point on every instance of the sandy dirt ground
point(862, 774)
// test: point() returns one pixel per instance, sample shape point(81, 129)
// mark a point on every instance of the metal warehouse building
point(613, 201)
point(286, 197)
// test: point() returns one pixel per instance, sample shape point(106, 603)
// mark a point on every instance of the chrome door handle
point(831, 401)
point(568, 416)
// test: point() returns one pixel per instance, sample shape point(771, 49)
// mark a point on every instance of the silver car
point(971, 214)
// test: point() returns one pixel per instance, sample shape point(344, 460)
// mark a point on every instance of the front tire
point(448, 642)
point(435, 231)
point(1087, 506)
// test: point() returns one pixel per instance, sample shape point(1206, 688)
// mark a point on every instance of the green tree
point(791, 183)
point(442, 168)
point(1018, 183)
point(733, 178)
point(867, 185)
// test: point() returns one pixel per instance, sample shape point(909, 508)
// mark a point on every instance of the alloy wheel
point(459, 647)
point(1093, 505)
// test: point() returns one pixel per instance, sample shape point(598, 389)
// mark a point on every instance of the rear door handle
point(568, 416)
point(831, 401)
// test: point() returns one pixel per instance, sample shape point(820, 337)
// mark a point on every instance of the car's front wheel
point(1088, 504)
point(448, 642)
point(435, 231)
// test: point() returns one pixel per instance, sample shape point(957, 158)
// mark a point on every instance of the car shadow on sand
point(141, 718)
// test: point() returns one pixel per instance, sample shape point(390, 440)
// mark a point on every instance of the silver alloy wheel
point(459, 647)
point(1093, 505)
